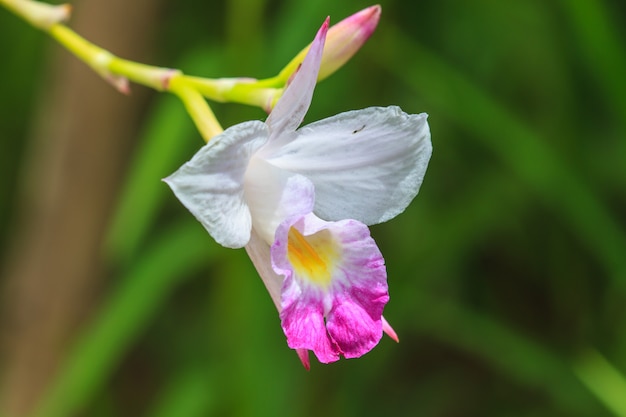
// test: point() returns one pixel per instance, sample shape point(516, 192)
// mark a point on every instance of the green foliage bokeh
point(507, 274)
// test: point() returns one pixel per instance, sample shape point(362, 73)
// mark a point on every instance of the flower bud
point(343, 41)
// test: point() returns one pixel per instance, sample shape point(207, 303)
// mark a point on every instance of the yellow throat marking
point(313, 257)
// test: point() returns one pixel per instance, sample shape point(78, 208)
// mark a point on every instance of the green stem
point(191, 90)
point(250, 91)
point(40, 15)
point(158, 78)
point(119, 71)
point(196, 106)
point(108, 65)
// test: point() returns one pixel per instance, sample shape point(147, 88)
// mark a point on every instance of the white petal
point(293, 105)
point(366, 165)
point(274, 195)
point(211, 184)
point(259, 252)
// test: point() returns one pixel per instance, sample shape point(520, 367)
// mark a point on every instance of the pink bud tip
point(120, 83)
point(346, 38)
point(366, 20)
point(303, 354)
point(389, 330)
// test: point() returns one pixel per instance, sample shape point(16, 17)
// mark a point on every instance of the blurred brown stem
point(84, 132)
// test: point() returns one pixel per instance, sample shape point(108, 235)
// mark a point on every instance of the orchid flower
point(300, 200)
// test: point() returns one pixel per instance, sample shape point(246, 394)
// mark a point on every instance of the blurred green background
point(507, 274)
